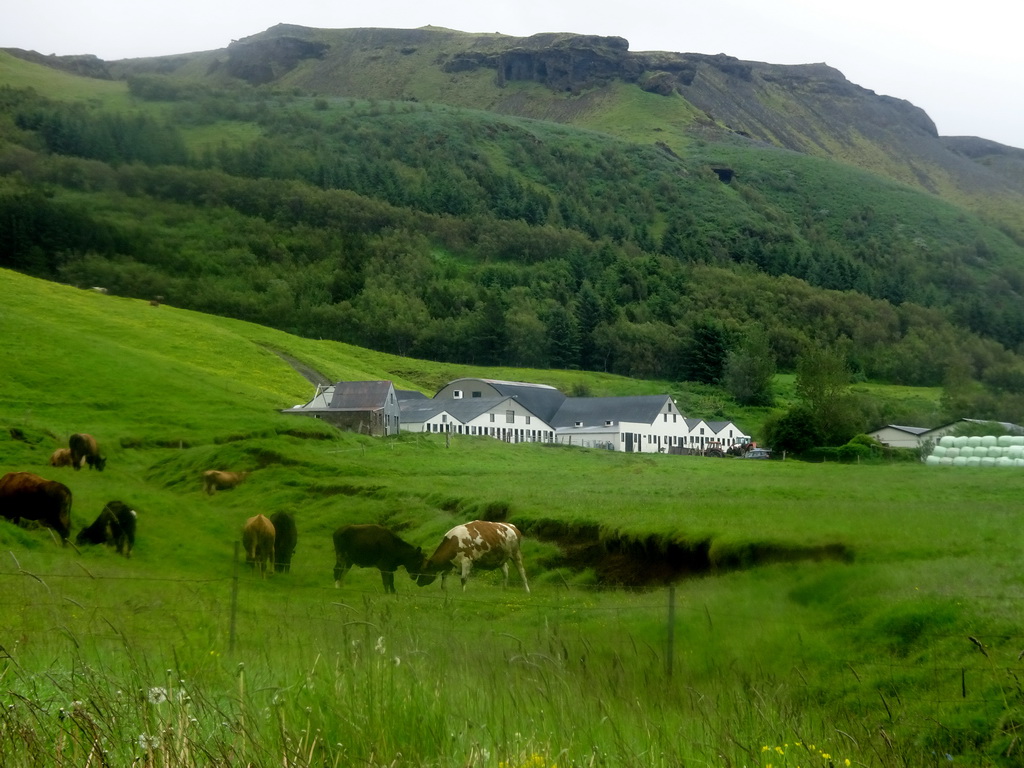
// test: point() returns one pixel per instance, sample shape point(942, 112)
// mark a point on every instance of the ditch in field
point(652, 561)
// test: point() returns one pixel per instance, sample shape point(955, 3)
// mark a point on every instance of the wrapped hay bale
point(1003, 461)
point(974, 441)
point(960, 442)
point(932, 461)
point(967, 451)
point(1004, 441)
point(946, 441)
point(973, 461)
point(990, 441)
point(960, 461)
point(1015, 451)
point(939, 450)
point(945, 461)
point(988, 461)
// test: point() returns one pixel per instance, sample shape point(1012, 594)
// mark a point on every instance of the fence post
point(670, 651)
point(234, 601)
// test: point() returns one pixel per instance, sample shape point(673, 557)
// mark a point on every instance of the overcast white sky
point(963, 63)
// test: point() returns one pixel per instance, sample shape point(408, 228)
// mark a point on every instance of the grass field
point(903, 651)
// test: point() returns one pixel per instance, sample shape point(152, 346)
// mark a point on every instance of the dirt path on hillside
point(311, 375)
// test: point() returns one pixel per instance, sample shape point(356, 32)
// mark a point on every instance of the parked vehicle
point(758, 453)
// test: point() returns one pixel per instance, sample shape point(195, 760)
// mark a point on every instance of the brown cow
point(371, 546)
point(483, 544)
point(24, 496)
point(84, 449)
point(258, 539)
point(215, 480)
point(61, 458)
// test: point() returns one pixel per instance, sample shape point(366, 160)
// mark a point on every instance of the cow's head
point(100, 462)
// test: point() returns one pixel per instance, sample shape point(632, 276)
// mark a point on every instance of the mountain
point(811, 108)
point(552, 201)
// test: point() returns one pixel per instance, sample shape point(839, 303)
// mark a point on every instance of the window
point(510, 417)
point(527, 419)
point(476, 394)
point(444, 417)
point(608, 423)
point(577, 424)
point(457, 394)
point(664, 417)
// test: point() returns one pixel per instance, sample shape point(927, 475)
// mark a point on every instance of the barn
point(366, 407)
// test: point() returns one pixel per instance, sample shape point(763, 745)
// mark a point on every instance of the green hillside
point(874, 568)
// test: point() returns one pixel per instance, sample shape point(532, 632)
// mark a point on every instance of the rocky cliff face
point(263, 60)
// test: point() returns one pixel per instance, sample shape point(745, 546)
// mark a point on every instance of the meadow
point(903, 651)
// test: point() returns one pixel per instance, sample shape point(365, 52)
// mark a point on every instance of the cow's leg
point(504, 575)
point(270, 559)
point(388, 577)
point(467, 566)
point(522, 570)
point(341, 567)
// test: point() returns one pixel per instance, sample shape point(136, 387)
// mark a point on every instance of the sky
point(962, 63)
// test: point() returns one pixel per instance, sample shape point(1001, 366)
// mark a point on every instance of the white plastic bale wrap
point(932, 461)
point(960, 461)
point(940, 450)
point(947, 441)
point(960, 441)
point(989, 441)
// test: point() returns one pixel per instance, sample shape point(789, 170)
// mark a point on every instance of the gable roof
point(360, 395)
point(541, 400)
point(915, 431)
point(595, 411)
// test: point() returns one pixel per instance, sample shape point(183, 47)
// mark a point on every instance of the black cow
point(24, 496)
point(285, 540)
point(371, 546)
point(85, 447)
point(115, 526)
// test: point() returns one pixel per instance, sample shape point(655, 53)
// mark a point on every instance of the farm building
point(916, 437)
point(896, 436)
point(520, 412)
point(366, 407)
point(635, 424)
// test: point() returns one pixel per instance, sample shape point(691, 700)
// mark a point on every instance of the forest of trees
point(459, 236)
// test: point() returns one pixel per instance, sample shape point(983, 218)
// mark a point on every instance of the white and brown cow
point(258, 540)
point(479, 544)
point(217, 480)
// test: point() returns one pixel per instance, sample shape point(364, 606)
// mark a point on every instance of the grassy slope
point(171, 392)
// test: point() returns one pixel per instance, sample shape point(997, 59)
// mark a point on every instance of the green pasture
point(868, 613)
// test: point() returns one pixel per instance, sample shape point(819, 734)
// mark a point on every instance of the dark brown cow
point(84, 449)
point(480, 543)
point(24, 496)
point(61, 458)
point(115, 526)
point(285, 538)
point(372, 546)
point(258, 539)
point(216, 480)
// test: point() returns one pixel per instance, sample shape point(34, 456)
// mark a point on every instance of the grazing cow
point(115, 526)
point(285, 539)
point(61, 458)
point(84, 449)
point(24, 496)
point(372, 546)
point(258, 539)
point(215, 480)
point(480, 543)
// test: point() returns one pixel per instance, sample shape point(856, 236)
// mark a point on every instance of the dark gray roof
point(464, 410)
point(908, 430)
point(360, 395)
point(595, 411)
point(541, 400)
point(410, 394)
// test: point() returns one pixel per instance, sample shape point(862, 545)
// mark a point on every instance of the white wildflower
point(157, 695)
point(379, 648)
point(148, 742)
